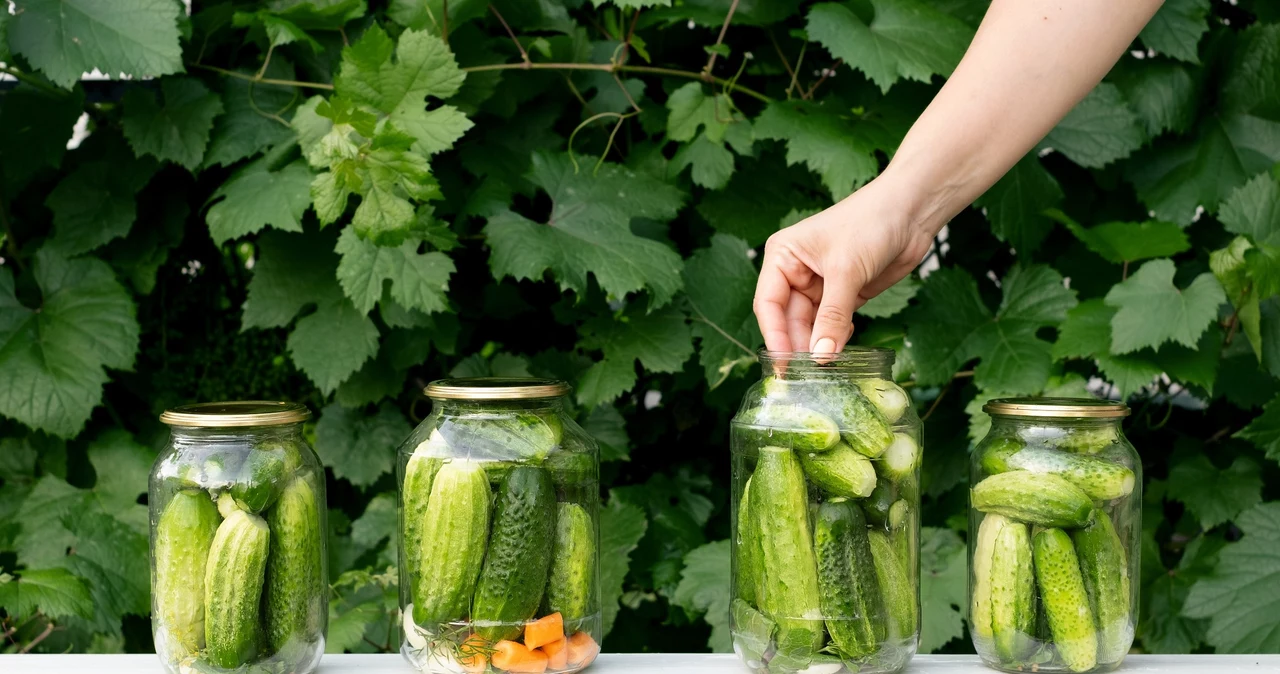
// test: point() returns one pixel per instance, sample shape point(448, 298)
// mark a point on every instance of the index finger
point(773, 291)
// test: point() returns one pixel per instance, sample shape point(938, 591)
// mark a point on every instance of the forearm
point(1029, 64)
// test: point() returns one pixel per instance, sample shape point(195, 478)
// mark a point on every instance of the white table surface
point(617, 663)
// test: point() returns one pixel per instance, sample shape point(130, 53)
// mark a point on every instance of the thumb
point(833, 323)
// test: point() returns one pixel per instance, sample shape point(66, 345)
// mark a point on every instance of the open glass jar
point(238, 563)
point(499, 492)
point(826, 505)
point(1054, 521)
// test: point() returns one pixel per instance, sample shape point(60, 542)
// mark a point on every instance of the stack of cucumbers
point(1051, 585)
point(827, 526)
point(495, 534)
point(239, 567)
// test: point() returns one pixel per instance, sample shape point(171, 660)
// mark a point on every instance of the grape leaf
point(359, 447)
point(1016, 204)
point(588, 231)
point(1253, 210)
point(256, 197)
point(65, 38)
point(754, 203)
point(944, 580)
point(177, 131)
point(331, 344)
point(34, 128)
point(53, 359)
point(691, 109)
point(1176, 29)
point(660, 340)
point(1099, 130)
point(1238, 596)
point(1264, 430)
point(319, 14)
point(1251, 75)
point(1152, 311)
point(1215, 495)
point(378, 523)
point(433, 130)
point(112, 557)
point(422, 67)
point(721, 282)
point(1087, 334)
point(54, 592)
point(633, 4)
point(1122, 242)
point(251, 118)
point(712, 162)
point(704, 588)
point(1163, 93)
point(278, 31)
point(907, 39)
point(1230, 268)
point(290, 271)
point(1242, 383)
point(1163, 628)
point(893, 300)
point(819, 137)
point(95, 204)
point(378, 378)
point(418, 280)
point(122, 467)
point(43, 541)
point(607, 426)
point(622, 525)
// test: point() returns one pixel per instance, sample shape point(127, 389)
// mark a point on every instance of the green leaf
point(893, 300)
point(1016, 204)
point(690, 109)
point(95, 204)
point(607, 426)
point(1251, 73)
point(178, 131)
point(589, 231)
point(1164, 94)
point(1176, 29)
point(357, 447)
point(712, 162)
point(112, 557)
point(604, 381)
point(65, 38)
point(53, 359)
point(1198, 366)
point(704, 588)
point(1213, 494)
point(122, 467)
point(822, 139)
point(944, 580)
point(1253, 210)
point(1264, 430)
point(378, 378)
point(290, 271)
point(1163, 629)
point(907, 39)
point(660, 340)
point(256, 197)
point(53, 592)
point(1152, 311)
point(622, 525)
point(1230, 268)
point(1099, 130)
point(423, 66)
point(251, 118)
point(435, 130)
point(1123, 242)
point(43, 541)
point(755, 203)
point(721, 282)
point(632, 4)
point(418, 280)
point(331, 344)
point(1087, 334)
point(35, 126)
point(378, 523)
point(1239, 596)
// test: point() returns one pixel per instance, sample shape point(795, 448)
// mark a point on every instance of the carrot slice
point(473, 654)
point(557, 653)
point(582, 649)
point(544, 630)
point(513, 656)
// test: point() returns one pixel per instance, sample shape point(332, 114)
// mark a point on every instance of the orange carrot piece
point(513, 656)
point(582, 649)
point(544, 630)
point(473, 654)
point(557, 653)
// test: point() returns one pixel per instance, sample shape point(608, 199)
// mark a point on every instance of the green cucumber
point(789, 593)
point(233, 581)
point(888, 397)
point(571, 469)
point(1087, 439)
point(1035, 498)
point(1102, 480)
point(848, 590)
point(183, 536)
point(896, 587)
point(415, 493)
point(263, 473)
point(900, 459)
point(227, 504)
point(500, 436)
point(840, 471)
point(980, 607)
point(1013, 614)
point(1064, 599)
point(901, 526)
point(515, 569)
point(1105, 571)
point(749, 574)
point(790, 426)
point(876, 506)
point(866, 430)
point(570, 589)
point(752, 632)
point(295, 606)
point(455, 528)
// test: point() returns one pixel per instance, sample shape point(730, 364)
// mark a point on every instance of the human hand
point(817, 272)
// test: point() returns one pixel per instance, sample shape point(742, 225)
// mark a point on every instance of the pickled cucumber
point(749, 573)
point(500, 436)
point(1035, 498)
point(896, 587)
point(233, 582)
point(295, 584)
point(455, 530)
point(1013, 614)
point(888, 397)
point(848, 589)
point(900, 458)
point(184, 534)
point(1064, 599)
point(1106, 580)
point(1102, 480)
point(840, 471)
point(983, 554)
point(790, 426)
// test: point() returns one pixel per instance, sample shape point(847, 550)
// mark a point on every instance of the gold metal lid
point(236, 413)
point(495, 388)
point(1059, 408)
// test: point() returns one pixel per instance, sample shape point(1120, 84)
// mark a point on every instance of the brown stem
point(936, 401)
point(263, 80)
point(626, 93)
point(781, 57)
point(524, 55)
point(1124, 271)
point(1233, 324)
point(48, 629)
point(266, 61)
point(626, 44)
point(724, 28)
point(826, 73)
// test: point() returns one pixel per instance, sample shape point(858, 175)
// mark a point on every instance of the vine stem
point(724, 28)
point(48, 629)
point(263, 80)
point(33, 81)
point(703, 317)
point(524, 55)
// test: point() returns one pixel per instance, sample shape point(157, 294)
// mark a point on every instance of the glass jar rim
point(850, 355)
point(496, 388)
point(1059, 408)
point(236, 413)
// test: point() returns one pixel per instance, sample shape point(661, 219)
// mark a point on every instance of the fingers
point(833, 322)
point(773, 294)
point(800, 313)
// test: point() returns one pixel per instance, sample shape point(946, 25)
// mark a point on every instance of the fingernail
point(825, 345)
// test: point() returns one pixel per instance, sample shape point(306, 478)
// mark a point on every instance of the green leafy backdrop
point(335, 201)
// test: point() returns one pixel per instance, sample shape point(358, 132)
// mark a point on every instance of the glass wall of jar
point(499, 539)
point(1054, 524)
point(826, 514)
point(238, 565)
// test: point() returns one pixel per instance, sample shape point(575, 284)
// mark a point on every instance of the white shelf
point(618, 663)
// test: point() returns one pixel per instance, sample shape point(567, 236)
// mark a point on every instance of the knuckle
point(833, 315)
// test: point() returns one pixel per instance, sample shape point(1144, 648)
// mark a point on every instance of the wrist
point(929, 198)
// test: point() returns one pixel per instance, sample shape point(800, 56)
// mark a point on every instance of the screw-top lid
point(236, 413)
point(1059, 408)
point(495, 388)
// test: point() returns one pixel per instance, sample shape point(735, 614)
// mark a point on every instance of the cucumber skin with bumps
point(749, 571)
point(791, 426)
point(573, 570)
point(454, 534)
point(848, 590)
point(1034, 498)
point(896, 587)
point(840, 471)
point(1013, 614)
point(983, 555)
point(1105, 572)
point(295, 602)
point(876, 505)
point(233, 579)
point(888, 397)
point(1102, 480)
point(183, 537)
point(516, 565)
point(500, 436)
point(789, 591)
point(1064, 599)
point(415, 493)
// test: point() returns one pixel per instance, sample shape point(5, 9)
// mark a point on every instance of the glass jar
point(1054, 521)
point(238, 563)
point(826, 515)
point(499, 539)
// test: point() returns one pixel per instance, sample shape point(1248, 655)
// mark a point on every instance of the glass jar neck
point(999, 423)
point(852, 363)
point(456, 406)
point(233, 435)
